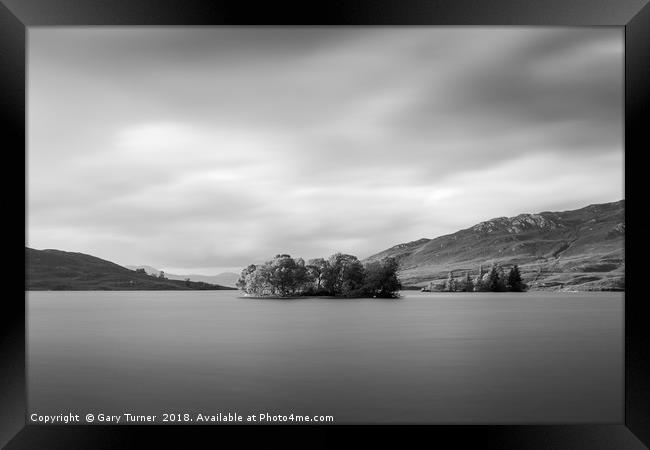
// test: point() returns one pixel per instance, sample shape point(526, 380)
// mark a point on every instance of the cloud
point(216, 147)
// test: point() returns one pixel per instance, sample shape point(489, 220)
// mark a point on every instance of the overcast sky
point(206, 149)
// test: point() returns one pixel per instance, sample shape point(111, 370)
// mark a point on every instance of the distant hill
point(224, 279)
point(580, 249)
point(59, 270)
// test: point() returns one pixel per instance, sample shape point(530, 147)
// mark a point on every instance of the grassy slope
point(570, 250)
point(59, 270)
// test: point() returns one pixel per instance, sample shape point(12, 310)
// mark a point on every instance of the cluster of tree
point(495, 280)
point(340, 275)
point(161, 275)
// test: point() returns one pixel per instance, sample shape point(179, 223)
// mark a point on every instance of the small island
point(341, 275)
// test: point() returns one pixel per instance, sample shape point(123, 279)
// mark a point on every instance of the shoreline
point(322, 297)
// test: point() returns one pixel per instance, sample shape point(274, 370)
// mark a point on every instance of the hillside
point(59, 270)
point(224, 279)
point(570, 250)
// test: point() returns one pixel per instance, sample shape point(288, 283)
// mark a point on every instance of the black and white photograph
point(324, 225)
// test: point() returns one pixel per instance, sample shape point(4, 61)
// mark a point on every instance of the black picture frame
point(17, 15)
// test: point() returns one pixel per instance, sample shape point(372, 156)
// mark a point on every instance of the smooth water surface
point(425, 358)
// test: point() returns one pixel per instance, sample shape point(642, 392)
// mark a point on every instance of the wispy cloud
point(212, 148)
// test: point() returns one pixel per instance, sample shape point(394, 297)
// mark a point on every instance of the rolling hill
point(59, 270)
point(582, 249)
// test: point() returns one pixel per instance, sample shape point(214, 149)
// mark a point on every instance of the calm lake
point(425, 358)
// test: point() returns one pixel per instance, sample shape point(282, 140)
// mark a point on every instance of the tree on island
point(381, 278)
point(341, 275)
point(345, 276)
point(287, 275)
point(317, 270)
point(255, 280)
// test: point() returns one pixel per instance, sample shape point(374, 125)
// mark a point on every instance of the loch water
point(538, 357)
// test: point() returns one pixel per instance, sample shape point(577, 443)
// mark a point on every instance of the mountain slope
point(580, 249)
point(59, 270)
point(224, 279)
